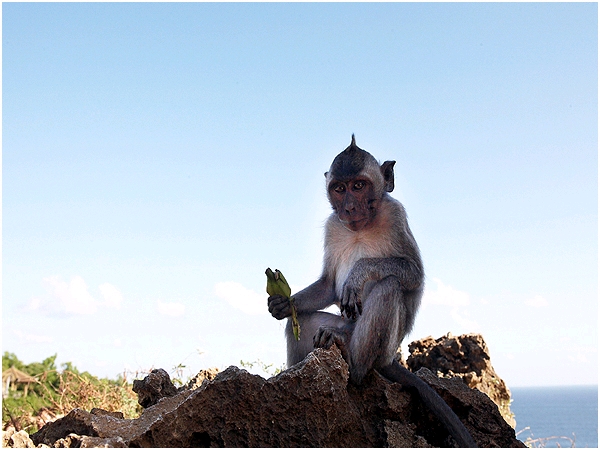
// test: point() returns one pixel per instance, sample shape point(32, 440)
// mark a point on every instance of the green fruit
point(278, 285)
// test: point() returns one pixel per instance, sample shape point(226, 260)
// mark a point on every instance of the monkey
point(372, 270)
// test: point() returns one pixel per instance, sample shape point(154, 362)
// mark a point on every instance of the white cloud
point(241, 297)
point(73, 297)
point(34, 304)
point(112, 296)
point(34, 338)
point(463, 321)
point(582, 354)
point(537, 302)
point(444, 295)
point(172, 309)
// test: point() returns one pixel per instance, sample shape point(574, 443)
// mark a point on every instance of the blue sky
point(158, 157)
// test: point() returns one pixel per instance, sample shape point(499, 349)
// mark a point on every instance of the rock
point(486, 424)
point(16, 439)
point(75, 441)
point(467, 357)
point(6, 434)
point(43, 417)
point(309, 405)
point(77, 422)
point(99, 412)
point(196, 381)
point(155, 386)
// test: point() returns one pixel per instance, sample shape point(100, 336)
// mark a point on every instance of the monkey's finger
point(344, 306)
point(345, 310)
point(279, 307)
point(349, 312)
point(323, 338)
point(276, 308)
point(349, 303)
point(359, 306)
point(276, 299)
point(280, 314)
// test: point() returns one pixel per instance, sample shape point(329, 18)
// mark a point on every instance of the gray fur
point(372, 270)
point(375, 275)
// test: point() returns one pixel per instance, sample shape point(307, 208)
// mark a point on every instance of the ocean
point(553, 414)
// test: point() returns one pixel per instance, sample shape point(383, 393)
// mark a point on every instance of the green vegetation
point(266, 368)
point(55, 393)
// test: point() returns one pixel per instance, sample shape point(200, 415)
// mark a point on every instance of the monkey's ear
point(387, 170)
point(325, 174)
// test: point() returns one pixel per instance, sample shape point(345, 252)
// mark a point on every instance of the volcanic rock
point(466, 357)
point(309, 405)
point(154, 387)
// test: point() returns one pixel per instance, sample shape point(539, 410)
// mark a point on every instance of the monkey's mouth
point(355, 225)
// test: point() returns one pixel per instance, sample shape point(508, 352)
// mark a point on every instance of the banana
point(278, 285)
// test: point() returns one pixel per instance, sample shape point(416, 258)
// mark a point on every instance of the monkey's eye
point(339, 188)
point(359, 185)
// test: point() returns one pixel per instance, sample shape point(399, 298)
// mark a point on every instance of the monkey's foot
point(327, 336)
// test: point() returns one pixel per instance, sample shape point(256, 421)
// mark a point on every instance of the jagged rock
point(77, 422)
point(6, 434)
point(75, 441)
point(44, 416)
point(16, 439)
point(155, 386)
point(486, 424)
point(467, 357)
point(206, 374)
point(309, 405)
point(99, 412)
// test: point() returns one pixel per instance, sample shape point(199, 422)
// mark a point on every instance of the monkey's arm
point(318, 295)
point(408, 270)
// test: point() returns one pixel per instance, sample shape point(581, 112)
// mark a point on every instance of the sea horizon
point(550, 416)
point(552, 386)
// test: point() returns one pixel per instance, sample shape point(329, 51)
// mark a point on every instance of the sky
point(157, 158)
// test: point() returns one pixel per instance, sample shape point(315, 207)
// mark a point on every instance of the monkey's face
point(354, 202)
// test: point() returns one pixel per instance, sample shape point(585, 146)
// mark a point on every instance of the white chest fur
point(346, 247)
point(346, 260)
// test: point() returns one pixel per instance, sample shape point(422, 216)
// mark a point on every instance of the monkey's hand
point(351, 301)
point(279, 306)
point(356, 287)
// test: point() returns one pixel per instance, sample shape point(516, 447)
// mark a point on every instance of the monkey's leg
point(379, 329)
point(309, 324)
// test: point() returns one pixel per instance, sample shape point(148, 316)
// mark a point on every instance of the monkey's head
point(355, 184)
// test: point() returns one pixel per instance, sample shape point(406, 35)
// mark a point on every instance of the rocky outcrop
point(17, 439)
point(154, 387)
point(204, 375)
point(158, 385)
point(309, 405)
point(466, 357)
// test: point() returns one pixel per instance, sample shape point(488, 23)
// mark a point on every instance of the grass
point(56, 392)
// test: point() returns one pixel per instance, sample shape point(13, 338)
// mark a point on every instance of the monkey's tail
point(396, 373)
